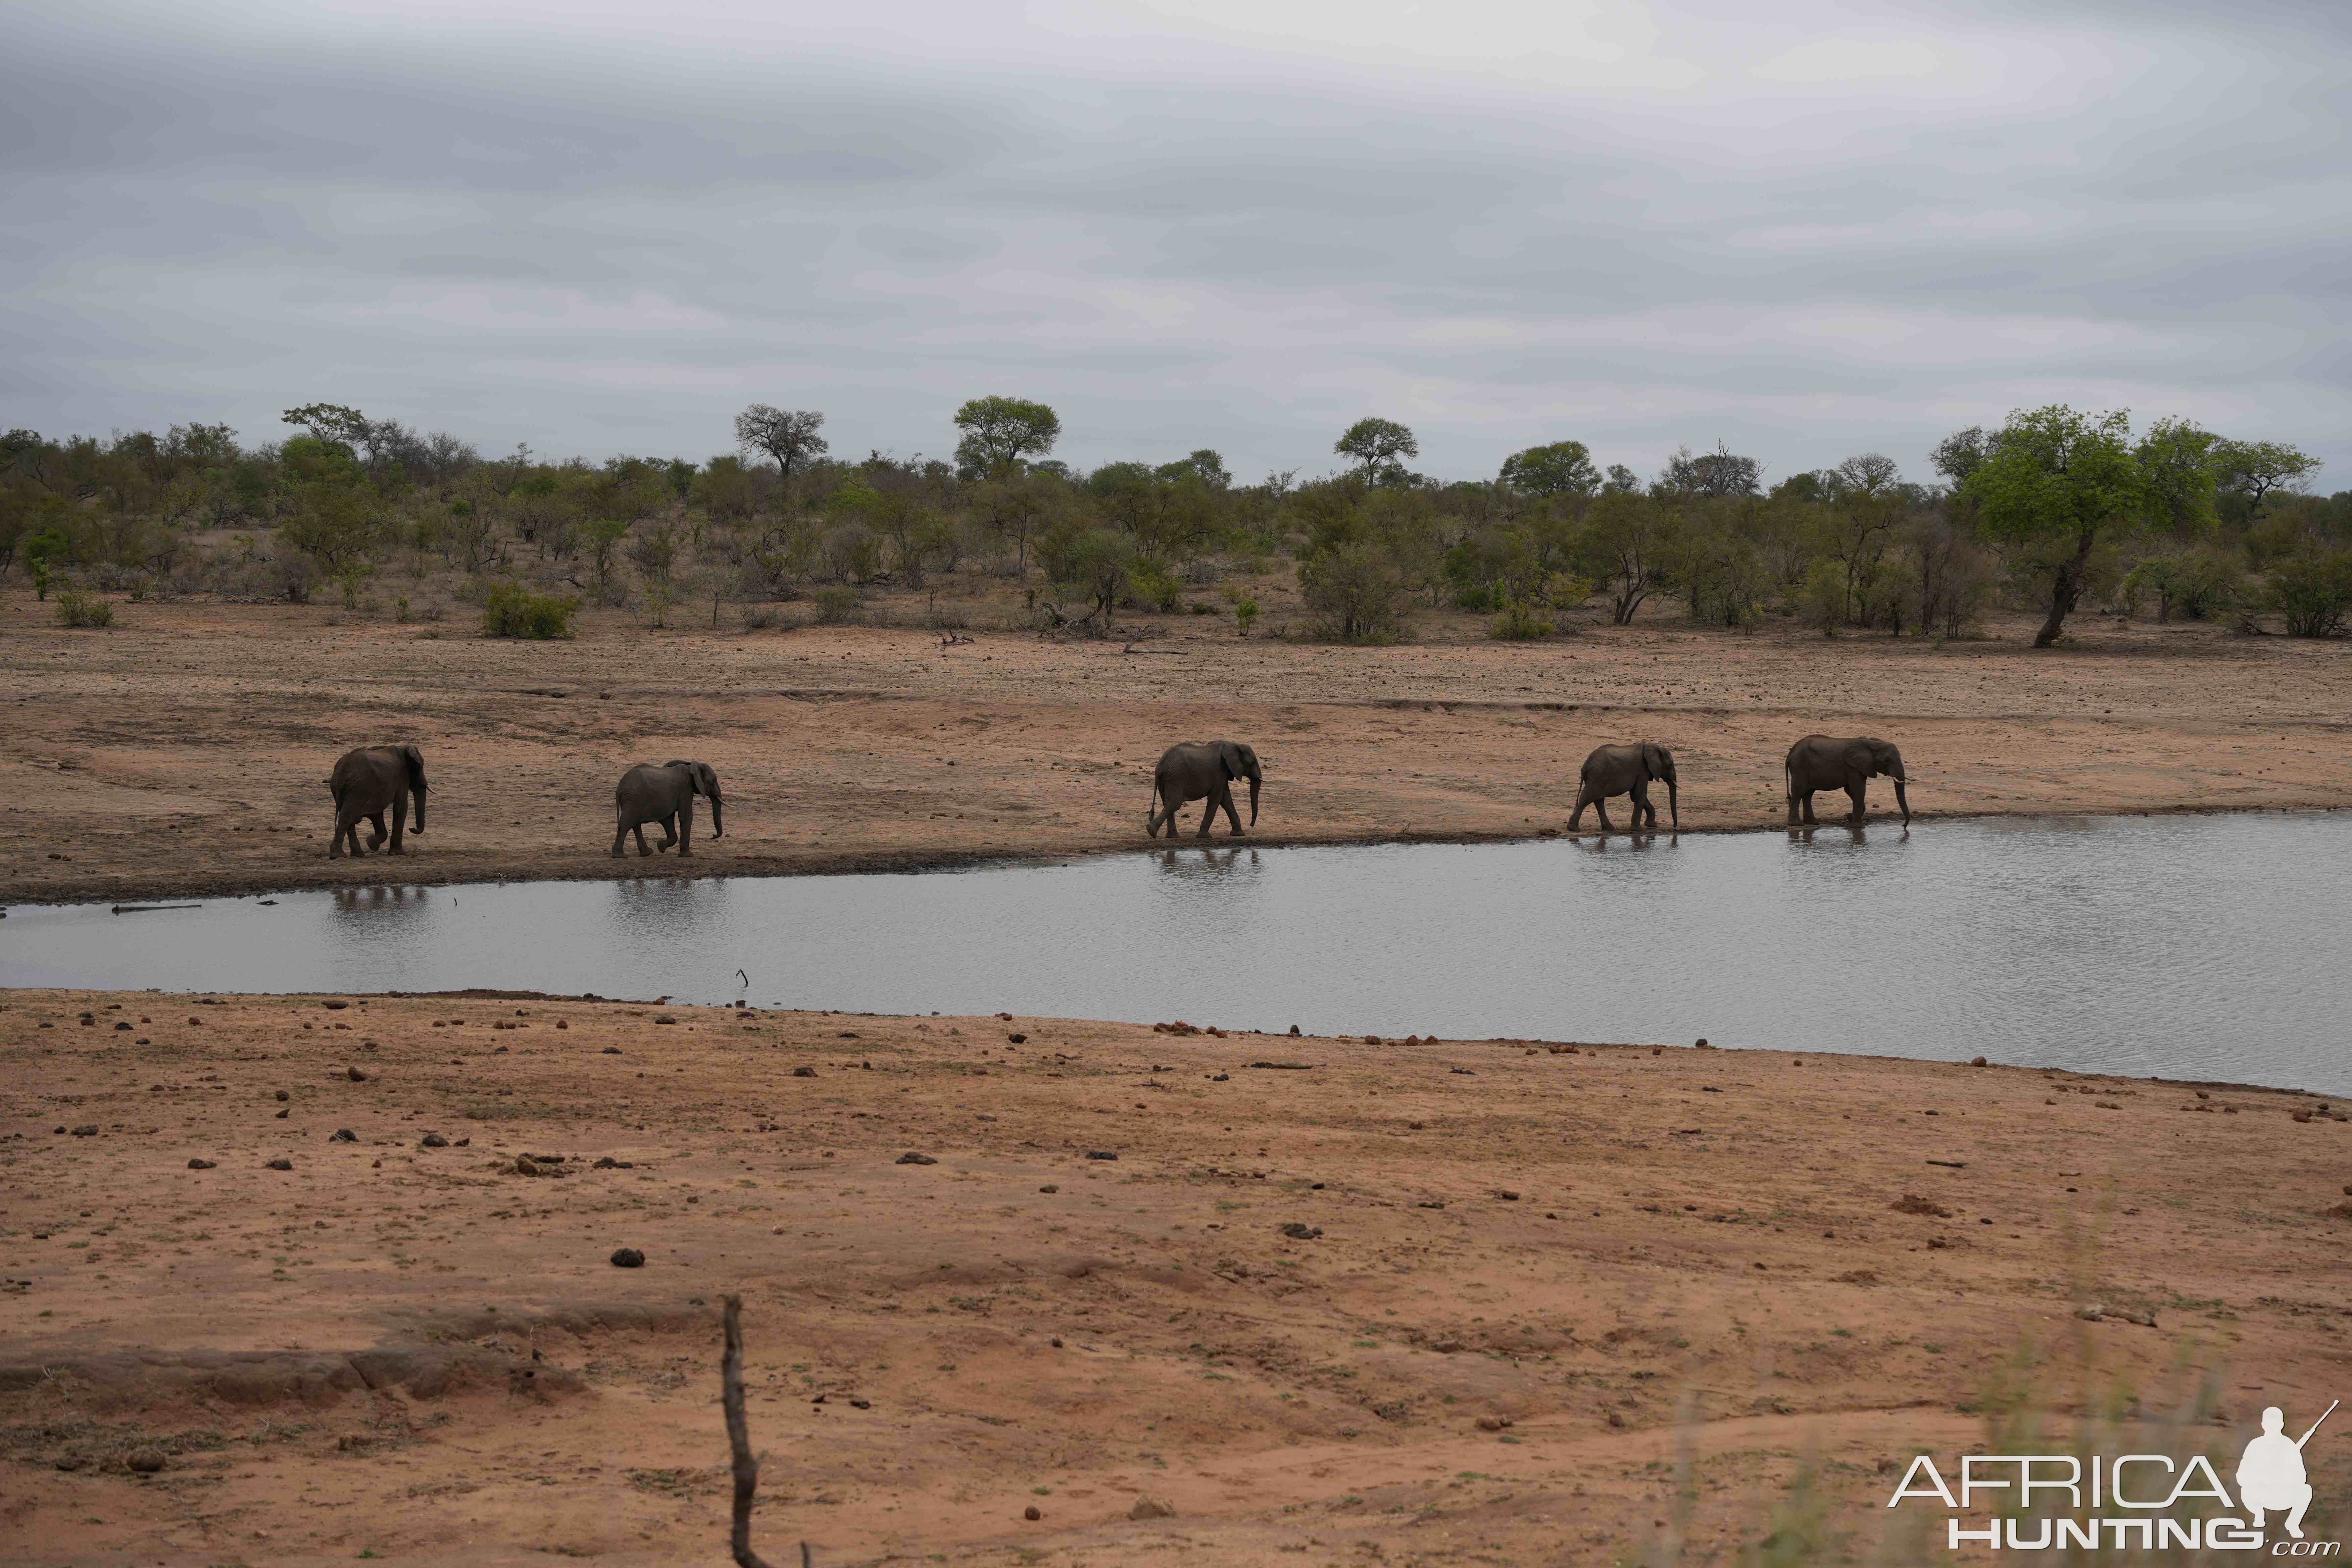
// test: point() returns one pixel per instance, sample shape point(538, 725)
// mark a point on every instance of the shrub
point(76, 608)
point(1155, 589)
point(1244, 611)
point(1517, 623)
point(511, 610)
point(836, 606)
point(2313, 591)
point(1357, 593)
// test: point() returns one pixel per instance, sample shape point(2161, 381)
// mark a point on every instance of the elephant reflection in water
point(1207, 862)
point(354, 900)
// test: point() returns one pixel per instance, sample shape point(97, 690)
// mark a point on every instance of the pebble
point(1298, 1232)
point(282, 1115)
point(609, 1163)
point(91, 1129)
point(202, 1164)
point(342, 1135)
point(612, 1050)
point(1091, 1153)
point(1150, 1507)
point(283, 1095)
point(1031, 1513)
point(356, 1075)
point(1056, 1187)
point(144, 1461)
point(804, 1072)
point(281, 1163)
point(911, 1158)
point(433, 1141)
point(664, 1019)
point(1493, 1423)
point(628, 1258)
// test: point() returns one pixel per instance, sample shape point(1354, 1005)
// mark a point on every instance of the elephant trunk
point(416, 806)
point(718, 825)
point(1254, 779)
point(1902, 800)
point(1674, 805)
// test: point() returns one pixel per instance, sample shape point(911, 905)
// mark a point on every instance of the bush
point(1245, 610)
point(1479, 599)
point(1155, 589)
point(2313, 591)
point(1357, 593)
point(76, 608)
point(511, 610)
point(836, 606)
point(1517, 623)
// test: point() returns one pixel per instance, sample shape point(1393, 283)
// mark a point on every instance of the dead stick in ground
point(738, 1439)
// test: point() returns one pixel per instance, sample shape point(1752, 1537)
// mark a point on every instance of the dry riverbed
point(185, 751)
point(1425, 1302)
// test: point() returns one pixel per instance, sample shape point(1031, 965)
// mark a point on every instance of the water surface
point(2200, 947)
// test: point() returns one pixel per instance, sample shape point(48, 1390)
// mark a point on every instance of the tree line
point(2053, 510)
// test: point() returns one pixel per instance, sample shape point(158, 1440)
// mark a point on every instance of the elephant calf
point(1627, 770)
point(1202, 770)
point(665, 794)
point(368, 783)
point(1846, 762)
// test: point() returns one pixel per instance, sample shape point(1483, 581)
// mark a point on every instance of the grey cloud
point(619, 260)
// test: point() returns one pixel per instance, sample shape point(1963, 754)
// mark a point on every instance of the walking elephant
point(1846, 762)
point(665, 794)
point(1628, 769)
point(368, 783)
point(1200, 770)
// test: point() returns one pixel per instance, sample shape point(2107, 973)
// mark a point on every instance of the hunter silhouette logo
point(2128, 1500)
point(2269, 1472)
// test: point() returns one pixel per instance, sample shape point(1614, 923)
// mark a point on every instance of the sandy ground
point(1680, 1275)
point(186, 749)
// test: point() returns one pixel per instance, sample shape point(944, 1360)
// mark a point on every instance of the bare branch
point(739, 1438)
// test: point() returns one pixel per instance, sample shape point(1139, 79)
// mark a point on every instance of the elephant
point(367, 784)
point(1627, 770)
point(1846, 762)
point(1199, 769)
point(665, 794)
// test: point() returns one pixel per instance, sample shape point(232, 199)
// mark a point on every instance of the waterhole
point(2210, 947)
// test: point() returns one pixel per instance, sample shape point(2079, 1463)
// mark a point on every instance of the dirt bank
point(1764, 1265)
point(185, 750)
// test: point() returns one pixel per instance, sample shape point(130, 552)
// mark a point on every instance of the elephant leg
point(686, 829)
point(668, 825)
point(1152, 818)
point(1807, 797)
point(620, 836)
point(1858, 792)
point(1209, 811)
point(345, 831)
point(1583, 799)
point(1642, 807)
point(399, 820)
point(1601, 809)
point(644, 850)
point(375, 829)
point(1226, 798)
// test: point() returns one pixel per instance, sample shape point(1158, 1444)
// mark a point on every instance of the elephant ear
point(415, 761)
point(1656, 761)
point(706, 780)
point(1862, 758)
point(1229, 757)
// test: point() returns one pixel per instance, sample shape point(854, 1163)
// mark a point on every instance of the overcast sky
point(1806, 229)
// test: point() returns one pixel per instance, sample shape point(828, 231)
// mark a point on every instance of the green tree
point(331, 423)
point(1560, 469)
point(2176, 463)
point(1001, 433)
point(1378, 444)
point(1628, 546)
point(2056, 483)
point(2247, 472)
